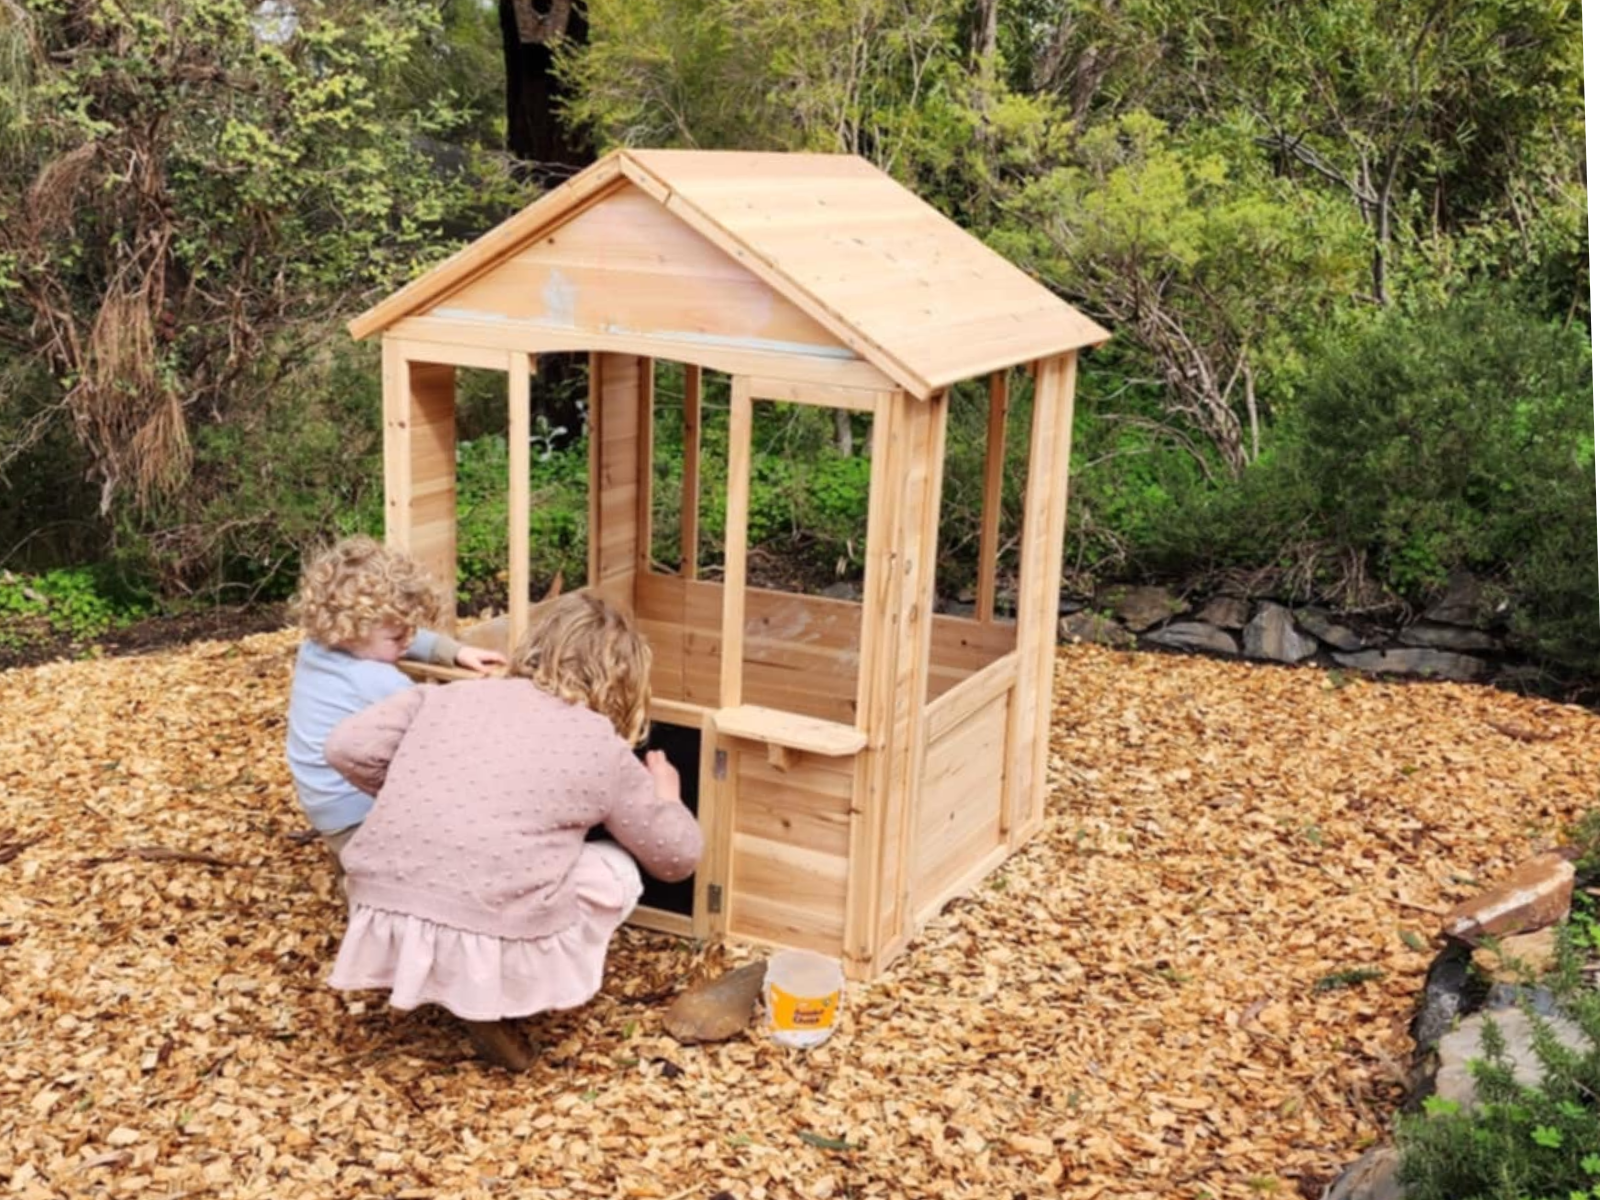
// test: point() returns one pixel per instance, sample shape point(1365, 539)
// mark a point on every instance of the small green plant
point(1584, 837)
point(76, 603)
point(1583, 924)
point(1346, 978)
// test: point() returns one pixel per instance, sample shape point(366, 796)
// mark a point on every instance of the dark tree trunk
point(550, 155)
point(529, 30)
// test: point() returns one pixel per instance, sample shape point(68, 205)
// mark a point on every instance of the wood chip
point(1133, 1014)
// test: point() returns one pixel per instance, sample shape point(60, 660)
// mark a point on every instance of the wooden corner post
point(1039, 589)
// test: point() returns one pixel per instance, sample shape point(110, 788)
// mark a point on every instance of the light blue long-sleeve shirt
point(328, 686)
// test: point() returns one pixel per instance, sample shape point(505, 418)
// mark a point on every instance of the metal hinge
point(714, 897)
point(719, 765)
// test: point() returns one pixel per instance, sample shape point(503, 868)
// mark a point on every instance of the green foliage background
point(1342, 245)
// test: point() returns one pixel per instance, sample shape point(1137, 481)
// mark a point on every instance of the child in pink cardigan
point(471, 884)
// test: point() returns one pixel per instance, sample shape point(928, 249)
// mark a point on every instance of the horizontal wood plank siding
point(789, 857)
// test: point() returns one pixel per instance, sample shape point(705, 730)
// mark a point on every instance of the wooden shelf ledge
point(790, 731)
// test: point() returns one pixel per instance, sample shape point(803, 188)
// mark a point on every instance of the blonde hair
point(585, 651)
point(357, 585)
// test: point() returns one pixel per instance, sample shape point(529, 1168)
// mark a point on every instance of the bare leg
point(502, 1043)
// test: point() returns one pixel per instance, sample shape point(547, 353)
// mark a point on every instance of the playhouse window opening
point(557, 483)
point(810, 479)
point(677, 466)
point(985, 486)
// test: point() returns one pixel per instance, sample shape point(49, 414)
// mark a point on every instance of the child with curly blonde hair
point(362, 606)
point(472, 884)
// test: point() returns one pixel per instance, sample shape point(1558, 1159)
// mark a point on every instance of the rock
point(1447, 637)
point(1463, 1044)
point(1089, 626)
point(1138, 608)
point(843, 590)
point(1271, 635)
point(1517, 957)
point(1321, 626)
point(1444, 996)
point(1373, 1176)
point(1519, 995)
point(1430, 664)
point(714, 1010)
point(1225, 612)
point(1194, 635)
point(1538, 893)
point(1461, 604)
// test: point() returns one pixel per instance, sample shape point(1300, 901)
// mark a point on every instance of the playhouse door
point(779, 844)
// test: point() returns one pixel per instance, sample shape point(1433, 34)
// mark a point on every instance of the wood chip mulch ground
point(1142, 1003)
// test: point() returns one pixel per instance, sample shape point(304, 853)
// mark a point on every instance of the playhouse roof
point(847, 251)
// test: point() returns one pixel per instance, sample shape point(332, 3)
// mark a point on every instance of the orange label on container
point(802, 1012)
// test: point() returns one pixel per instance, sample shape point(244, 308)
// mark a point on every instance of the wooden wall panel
point(616, 389)
point(627, 265)
point(419, 469)
point(958, 821)
point(800, 651)
point(962, 647)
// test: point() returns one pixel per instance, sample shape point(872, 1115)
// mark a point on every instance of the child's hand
point(665, 776)
point(475, 658)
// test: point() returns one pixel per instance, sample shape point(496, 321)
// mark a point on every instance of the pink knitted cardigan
point(485, 790)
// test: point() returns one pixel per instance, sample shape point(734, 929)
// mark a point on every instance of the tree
point(1426, 114)
point(532, 33)
point(191, 193)
point(1210, 270)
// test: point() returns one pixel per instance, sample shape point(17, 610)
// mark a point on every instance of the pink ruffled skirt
point(483, 978)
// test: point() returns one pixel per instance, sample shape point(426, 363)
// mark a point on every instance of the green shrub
point(558, 516)
point(1422, 443)
point(79, 603)
point(1518, 1143)
point(1456, 436)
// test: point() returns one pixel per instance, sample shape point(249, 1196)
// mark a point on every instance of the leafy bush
point(80, 603)
point(558, 516)
point(1518, 1143)
point(301, 466)
point(1460, 436)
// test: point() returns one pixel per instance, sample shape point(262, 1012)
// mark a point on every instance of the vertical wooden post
point(644, 517)
point(994, 465)
point(419, 469)
point(741, 420)
point(917, 534)
point(519, 430)
point(863, 891)
point(716, 823)
point(689, 514)
point(1039, 590)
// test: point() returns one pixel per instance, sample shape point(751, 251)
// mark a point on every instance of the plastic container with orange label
point(803, 992)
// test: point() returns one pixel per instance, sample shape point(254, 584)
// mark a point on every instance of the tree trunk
point(551, 154)
point(529, 31)
point(986, 31)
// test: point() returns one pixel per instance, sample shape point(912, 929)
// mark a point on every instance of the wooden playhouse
point(854, 764)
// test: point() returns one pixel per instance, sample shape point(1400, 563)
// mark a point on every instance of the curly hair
point(357, 585)
point(585, 651)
